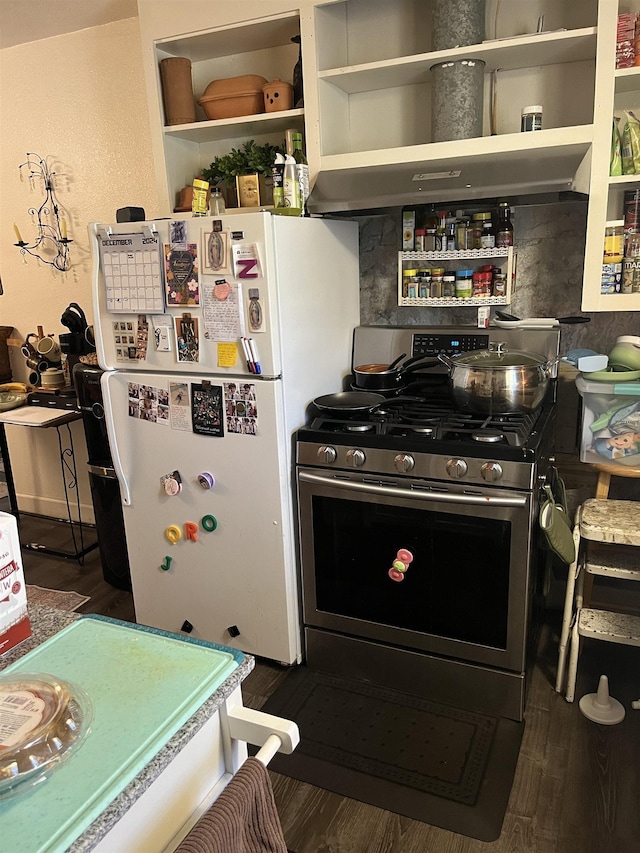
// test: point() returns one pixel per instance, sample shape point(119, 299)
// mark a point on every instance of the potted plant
point(244, 174)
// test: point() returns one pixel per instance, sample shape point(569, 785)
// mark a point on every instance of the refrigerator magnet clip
point(171, 483)
point(206, 385)
point(206, 480)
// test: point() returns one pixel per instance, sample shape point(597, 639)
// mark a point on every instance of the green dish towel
point(555, 525)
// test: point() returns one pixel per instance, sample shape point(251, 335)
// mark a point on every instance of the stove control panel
point(431, 344)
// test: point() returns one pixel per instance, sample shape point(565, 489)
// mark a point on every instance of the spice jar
point(531, 118)
point(464, 284)
point(449, 286)
point(437, 281)
point(408, 277)
point(424, 283)
point(499, 287)
point(464, 239)
point(478, 221)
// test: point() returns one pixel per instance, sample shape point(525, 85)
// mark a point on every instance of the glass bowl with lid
point(45, 721)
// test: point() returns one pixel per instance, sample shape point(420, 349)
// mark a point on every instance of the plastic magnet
point(167, 564)
point(233, 631)
point(399, 566)
point(405, 556)
point(206, 480)
point(221, 290)
point(186, 626)
point(395, 575)
point(209, 523)
point(173, 533)
point(191, 530)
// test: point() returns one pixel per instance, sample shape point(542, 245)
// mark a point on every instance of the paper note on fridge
point(222, 317)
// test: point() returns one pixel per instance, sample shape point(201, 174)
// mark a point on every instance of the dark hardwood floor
point(576, 785)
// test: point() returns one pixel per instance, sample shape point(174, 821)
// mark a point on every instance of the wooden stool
point(606, 470)
point(607, 539)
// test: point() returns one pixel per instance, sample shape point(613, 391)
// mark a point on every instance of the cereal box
point(14, 620)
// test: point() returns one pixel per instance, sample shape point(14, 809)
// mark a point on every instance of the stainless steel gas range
point(418, 530)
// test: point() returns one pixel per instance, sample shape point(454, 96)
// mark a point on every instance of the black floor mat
point(441, 765)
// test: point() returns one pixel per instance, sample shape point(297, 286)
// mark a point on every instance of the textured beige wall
point(78, 100)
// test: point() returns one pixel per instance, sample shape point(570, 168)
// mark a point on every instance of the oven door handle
point(393, 491)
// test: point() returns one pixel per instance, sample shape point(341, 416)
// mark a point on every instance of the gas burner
point(359, 427)
point(422, 430)
point(490, 436)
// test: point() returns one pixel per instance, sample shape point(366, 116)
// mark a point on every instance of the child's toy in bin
point(14, 619)
point(610, 422)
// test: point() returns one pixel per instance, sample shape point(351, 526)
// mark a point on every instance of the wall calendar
point(133, 271)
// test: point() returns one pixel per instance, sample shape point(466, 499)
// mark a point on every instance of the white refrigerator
point(215, 334)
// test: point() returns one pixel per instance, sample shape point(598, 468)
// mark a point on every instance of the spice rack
point(450, 260)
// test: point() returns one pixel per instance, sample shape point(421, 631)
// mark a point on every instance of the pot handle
point(416, 366)
point(450, 363)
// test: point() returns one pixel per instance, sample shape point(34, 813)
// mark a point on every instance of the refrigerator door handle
point(125, 492)
point(101, 471)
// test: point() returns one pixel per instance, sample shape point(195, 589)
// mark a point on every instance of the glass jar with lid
point(437, 280)
point(409, 277)
point(479, 227)
point(464, 284)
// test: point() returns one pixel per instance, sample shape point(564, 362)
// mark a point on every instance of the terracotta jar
point(278, 96)
point(177, 91)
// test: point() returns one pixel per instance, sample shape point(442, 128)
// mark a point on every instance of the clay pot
point(233, 96)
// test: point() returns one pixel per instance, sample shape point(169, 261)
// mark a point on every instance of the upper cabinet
point(261, 45)
point(616, 90)
point(374, 87)
point(368, 92)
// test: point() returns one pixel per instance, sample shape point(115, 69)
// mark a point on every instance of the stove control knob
point(355, 457)
point(404, 463)
point(327, 454)
point(456, 468)
point(491, 471)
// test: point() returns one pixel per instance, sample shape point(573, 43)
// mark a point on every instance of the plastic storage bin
point(610, 421)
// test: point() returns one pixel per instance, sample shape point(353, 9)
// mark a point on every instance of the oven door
point(466, 591)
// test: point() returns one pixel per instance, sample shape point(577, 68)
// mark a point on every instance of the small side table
point(43, 418)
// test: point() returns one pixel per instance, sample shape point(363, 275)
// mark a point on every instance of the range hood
point(504, 165)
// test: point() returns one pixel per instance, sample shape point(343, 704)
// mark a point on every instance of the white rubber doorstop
point(600, 707)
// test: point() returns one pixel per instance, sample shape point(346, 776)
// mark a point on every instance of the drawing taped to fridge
point(211, 387)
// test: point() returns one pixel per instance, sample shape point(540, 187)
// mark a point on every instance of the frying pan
point(380, 377)
point(348, 402)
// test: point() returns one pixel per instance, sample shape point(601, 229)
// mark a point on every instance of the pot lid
point(485, 358)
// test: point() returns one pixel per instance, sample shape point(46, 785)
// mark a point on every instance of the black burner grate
point(433, 418)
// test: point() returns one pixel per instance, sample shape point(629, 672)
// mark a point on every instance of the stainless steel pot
point(498, 381)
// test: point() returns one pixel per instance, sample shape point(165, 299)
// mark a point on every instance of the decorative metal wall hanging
point(51, 245)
